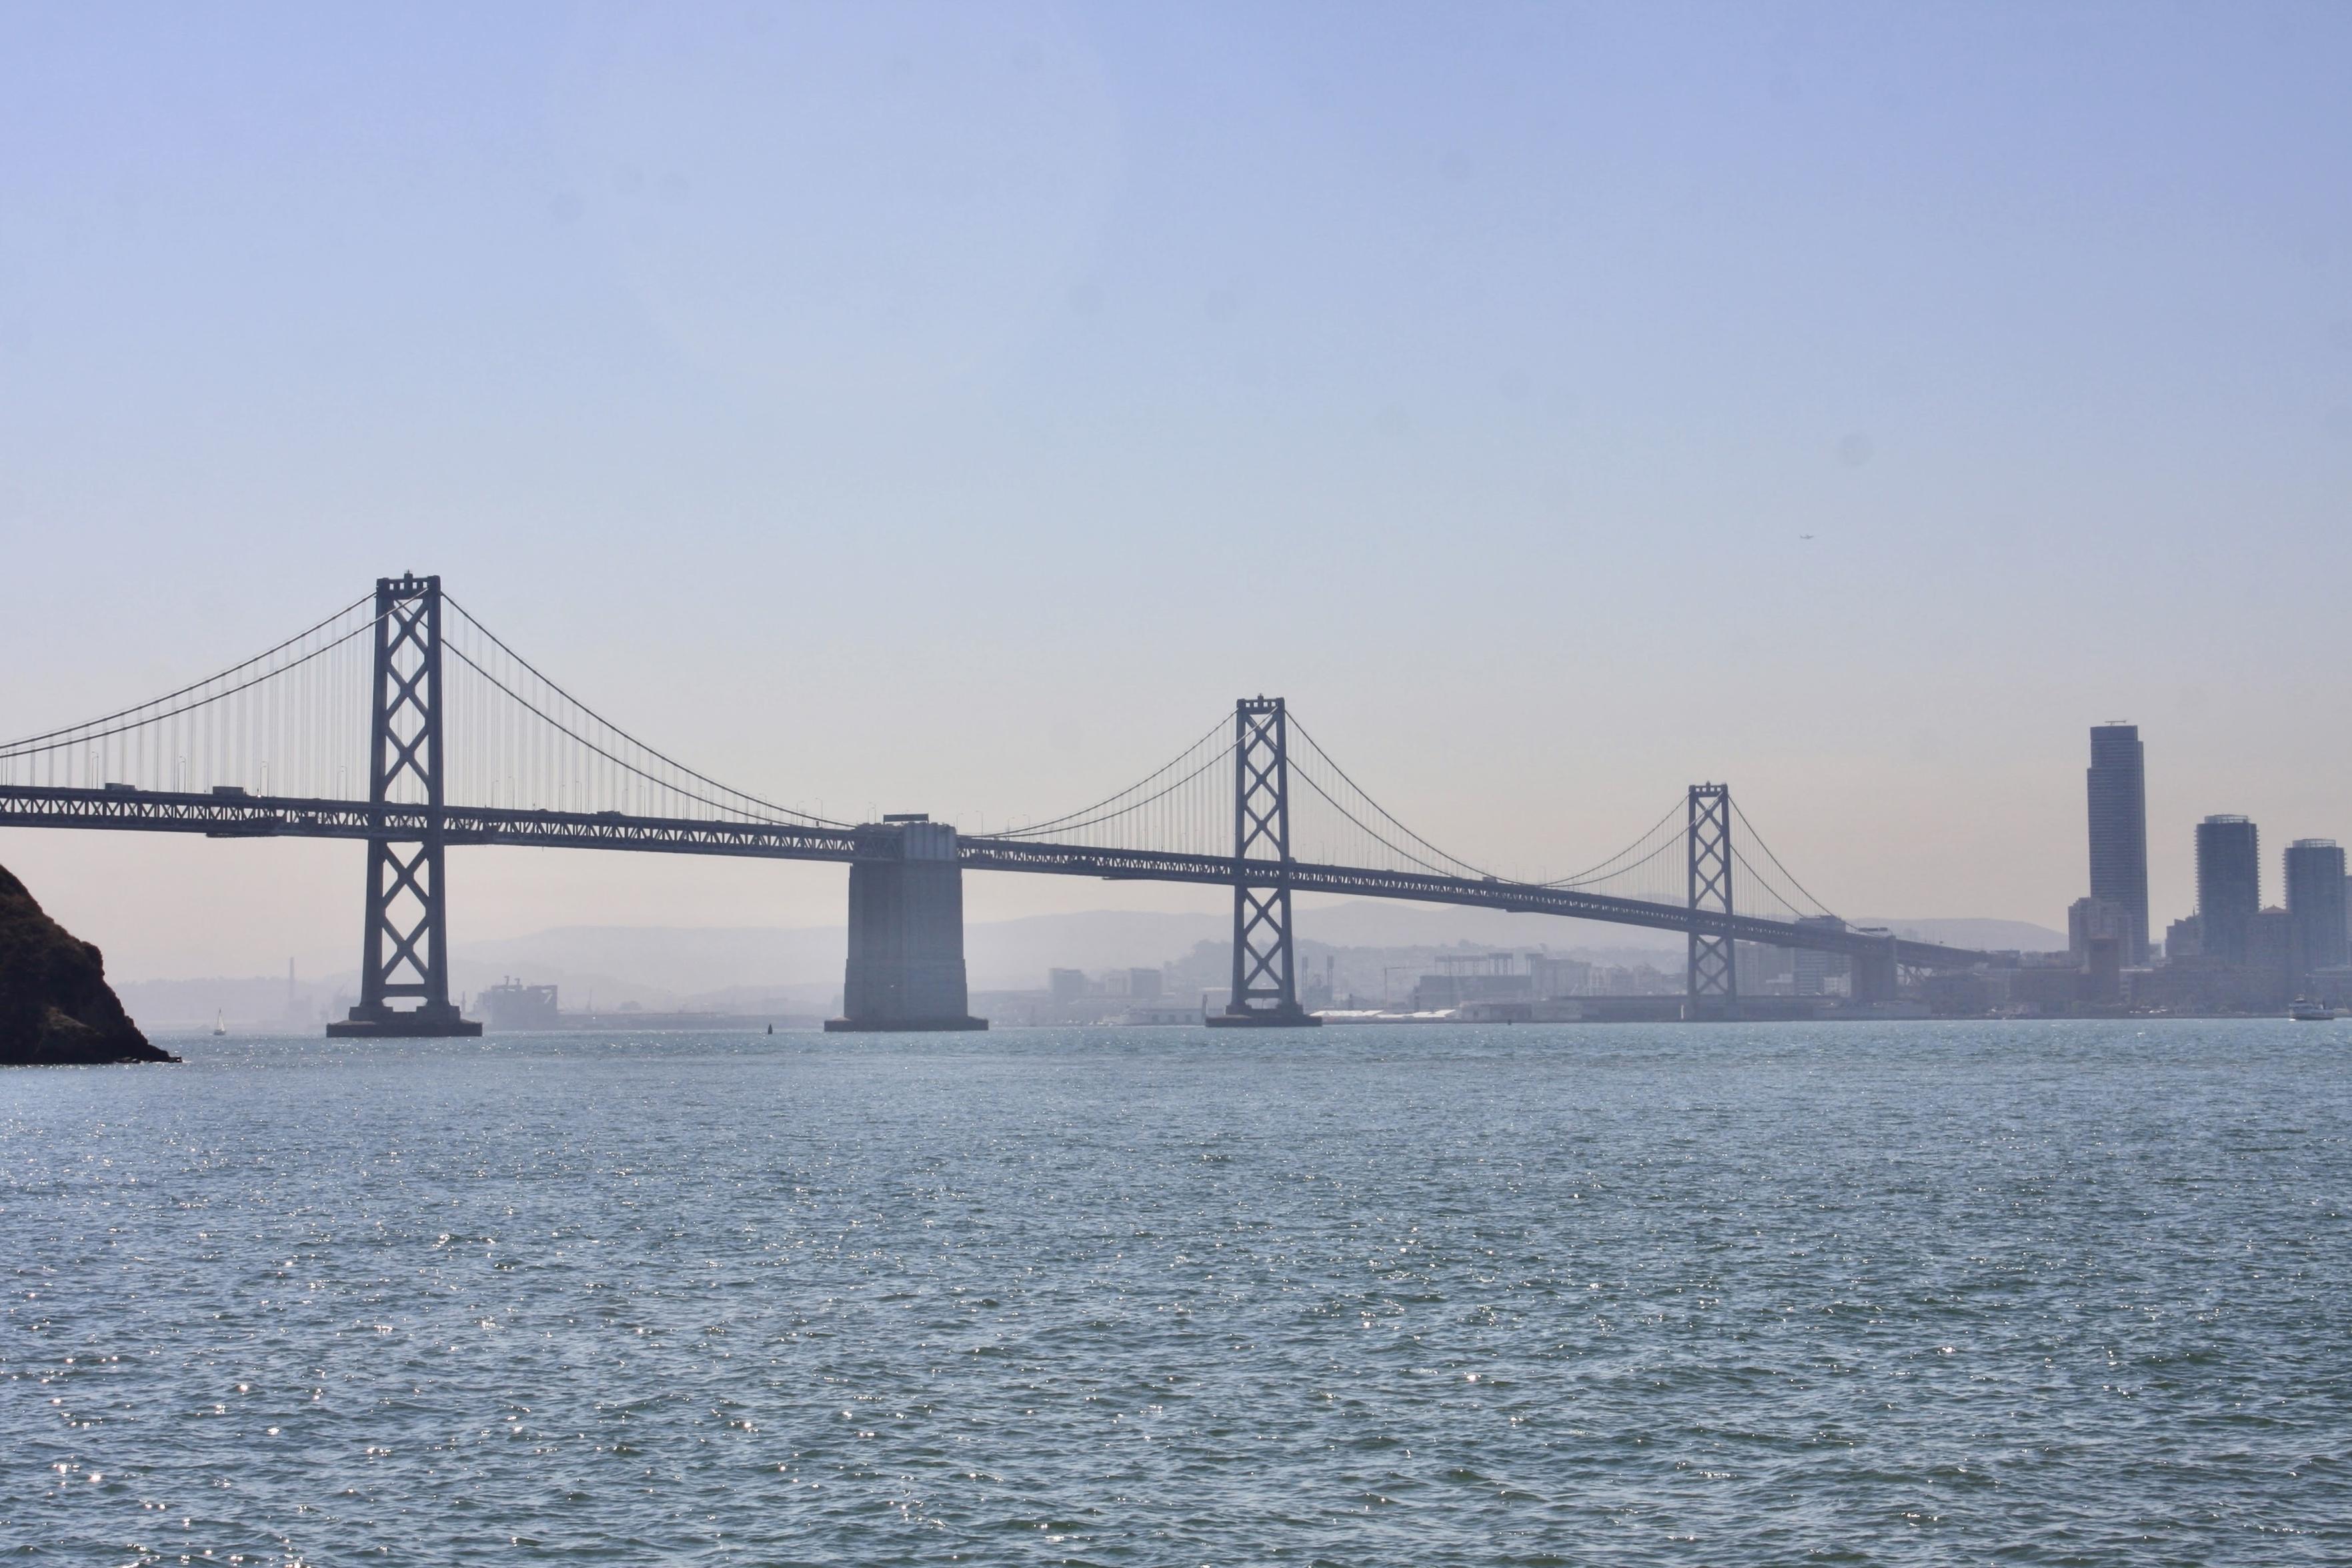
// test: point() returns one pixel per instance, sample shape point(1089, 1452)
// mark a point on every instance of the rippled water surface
point(1862, 1293)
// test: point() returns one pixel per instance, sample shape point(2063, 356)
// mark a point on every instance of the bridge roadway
point(234, 815)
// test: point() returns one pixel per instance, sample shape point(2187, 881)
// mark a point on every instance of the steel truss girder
point(259, 816)
point(240, 816)
point(1714, 972)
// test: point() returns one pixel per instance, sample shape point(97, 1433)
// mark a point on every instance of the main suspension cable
point(1069, 821)
point(475, 623)
point(78, 734)
point(1314, 746)
point(1759, 840)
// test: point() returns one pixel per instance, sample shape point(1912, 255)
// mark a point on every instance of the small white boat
point(2302, 1011)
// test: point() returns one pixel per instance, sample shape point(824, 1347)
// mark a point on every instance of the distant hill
point(1390, 922)
point(653, 964)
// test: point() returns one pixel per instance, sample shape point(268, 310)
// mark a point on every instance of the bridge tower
point(1714, 975)
point(1265, 986)
point(405, 949)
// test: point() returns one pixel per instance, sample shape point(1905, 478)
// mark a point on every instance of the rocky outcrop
point(55, 1007)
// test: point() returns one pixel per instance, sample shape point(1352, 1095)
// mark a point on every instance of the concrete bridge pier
point(906, 931)
point(1875, 973)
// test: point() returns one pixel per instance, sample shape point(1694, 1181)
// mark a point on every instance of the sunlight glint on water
point(1893, 1293)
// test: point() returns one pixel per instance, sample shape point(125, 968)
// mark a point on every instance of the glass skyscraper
point(2118, 791)
point(2314, 903)
point(2229, 885)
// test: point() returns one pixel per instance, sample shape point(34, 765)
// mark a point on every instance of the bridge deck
point(238, 815)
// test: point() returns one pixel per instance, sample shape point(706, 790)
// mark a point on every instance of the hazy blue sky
point(953, 407)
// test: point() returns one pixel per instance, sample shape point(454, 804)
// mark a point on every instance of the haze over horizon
point(668, 965)
point(953, 410)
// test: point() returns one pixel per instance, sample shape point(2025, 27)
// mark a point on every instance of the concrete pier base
point(906, 932)
point(1290, 1015)
point(909, 1026)
point(422, 1023)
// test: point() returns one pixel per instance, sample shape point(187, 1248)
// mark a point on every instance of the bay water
point(1899, 1292)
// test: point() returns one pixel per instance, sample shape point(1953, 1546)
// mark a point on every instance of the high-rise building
point(2314, 903)
point(2229, 885)
point(2183, 940)
point(2117, 786)
point(2269, 974)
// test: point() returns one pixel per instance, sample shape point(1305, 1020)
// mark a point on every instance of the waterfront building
point(2229, 885)
point(1764, 970)
point(2118, 788)
point(2090, 920)
point(1475, 978)
point(2098, 939)
point(1812, 971)
point(2183, 940)
point(1559, 977)
point(2314, 905)
point(510, 1006)
point(2270, 957)
point(2333, 986)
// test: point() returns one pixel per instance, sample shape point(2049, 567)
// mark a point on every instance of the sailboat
point(220, 1023)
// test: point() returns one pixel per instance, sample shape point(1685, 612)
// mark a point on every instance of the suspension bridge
point(403, 723)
